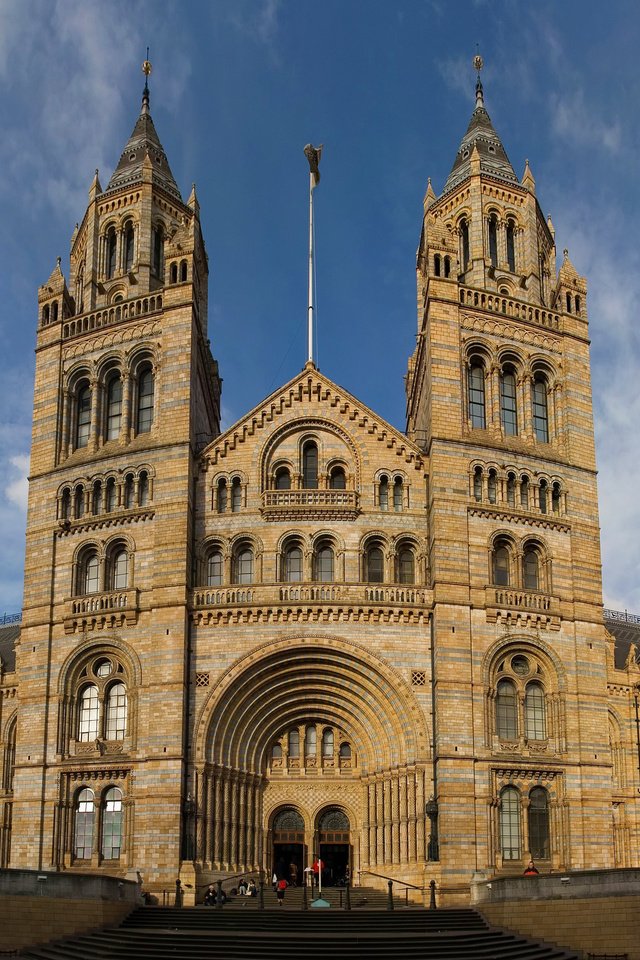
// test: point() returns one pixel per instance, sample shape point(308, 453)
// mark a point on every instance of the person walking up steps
point(280, 889)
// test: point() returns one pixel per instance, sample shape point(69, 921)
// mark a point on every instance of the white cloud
point(575, 120)
point(258, 21)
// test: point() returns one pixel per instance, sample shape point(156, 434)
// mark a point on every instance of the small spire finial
point(146, 69)
point(478, 64)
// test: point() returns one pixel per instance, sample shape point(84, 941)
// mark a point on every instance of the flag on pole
point(313, 155)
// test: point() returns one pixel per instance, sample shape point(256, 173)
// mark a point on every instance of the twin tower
point(313, 634)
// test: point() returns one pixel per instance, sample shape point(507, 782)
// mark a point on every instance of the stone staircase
point(239, 931)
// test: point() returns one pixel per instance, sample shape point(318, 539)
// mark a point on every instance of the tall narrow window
point(214, 568)
point(436, 264)
point(477, 484)
point(501, 566)
point(283, 479)
point(539, 823)
point(112, 824)
point(508, 403)
point(542, 496)
point(447, 266)
point(524, 493)
point(116, 712)
point(83, 426)
point(294, 742)
point(310, 741)
point(236, 495)
point(111, 495)
point(555, 498)
point(540, 410)
point(464, 244)
point(511, 246)
point(493, 240)
point(374, 564)
point(530, 570)
point(534, 713)
point(78, 503)
point(128, 246)
point(9, 763)
point(406, 565)
point(221, 496)
point(476, 395)
point(114, 408)
point(145, 401)
point(327, 744)
point(111, 244)
point(88, 714)
point(324, 563)
point(65, 507)
point(492, 487)
point(120, 568)
point(510, 823)
point(143, 489)
point(157, 242)
point(84, 824)
point(398, 494)
point(383, 493)
point(128, 491)
point(292, 566)
point(511, 490)
point(96, 499)
point(243, 565)
point(506, 711)
point(337, 480)
point(310, 465)
point(89, 568)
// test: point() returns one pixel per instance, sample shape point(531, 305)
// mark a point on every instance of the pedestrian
point(531, 870)
point(274, 881)
point(210, 896)
point(282, 886)
point(293, 874)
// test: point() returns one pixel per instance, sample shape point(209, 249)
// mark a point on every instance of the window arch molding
point(477, 384)
point(8, 759)
point(325, 569)
point(243, 569)
point(535, 547)
point(502, 559)
point(318, 430)
point(90, 565)
point(403, 572)
point(143, 371)
point(213, 560)
point(282, 475)
point(375, 555)
point(292, 567)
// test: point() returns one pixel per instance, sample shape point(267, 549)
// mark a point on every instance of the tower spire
point(478, 63)
point(146, 69)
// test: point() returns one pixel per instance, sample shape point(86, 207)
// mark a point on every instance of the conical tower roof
point(144, 140)
point(494, 161)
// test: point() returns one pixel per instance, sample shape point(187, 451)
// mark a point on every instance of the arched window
point(236, 495)
point(310, 465)
point(78, 503)
point(215, 568)
point(436, 264)
point(88, 714)
point(539, 408)
point(111, 498)
point(221, 496)
point(345, 751)
point(577, 302)
point(128, 246)
point(276, 751)
point(243, 564)
point(116, 712)
point(327, 743)
point(128, 491)
point(492, 487)
point(183, 271)
point(294, 742)
point(447, 266)
point(292, 564)
point(65, 506)
point(542, 496)
point(506, 711)
point(112, 835)
point(555, 498)
point(9, 762)
point(510, 824)
point(534, 712)
point(383, 493)
point(84, 824)
point(477, 484)
point(508, 402)
point(501, 561)
point(511, 489)
point(143, 489)
point(568, 302)
point(111, 246)
point(118, 569)
point(144, 419)
point(477, 414)
point(524, 493)
point(310, 741)
point(323, 563)
point(157, 251)
point(374, 564)
point(493, 240)
point(88, 573)
point(283, 479)
point(530, 569)
point(83, 425)
point(539, 823)
point(96, 498)
point(511, 246)
point(173, 273)
point(406, 564)
point(338, 479)
point(114, 407)
point(398, 494)
point(464, 244)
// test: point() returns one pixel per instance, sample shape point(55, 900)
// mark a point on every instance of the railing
point(261, 594)
point(494, 303)
point(520, 599)
point(342, 503)
point(128, 310)
point(621, 615)
point(10, 618)
point(405, 883)
point(101, 607)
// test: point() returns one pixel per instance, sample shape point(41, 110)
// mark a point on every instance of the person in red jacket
point(531, 870)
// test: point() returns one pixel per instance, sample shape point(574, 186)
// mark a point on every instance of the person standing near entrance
point(280, 889)
point(293, 874)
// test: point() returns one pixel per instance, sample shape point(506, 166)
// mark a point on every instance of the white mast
point(313, 156)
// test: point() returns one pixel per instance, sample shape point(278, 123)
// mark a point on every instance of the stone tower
point(126, 393)
point(499, 399)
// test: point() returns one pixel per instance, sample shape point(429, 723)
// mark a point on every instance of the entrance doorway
point(288, 846)
point(334, 841)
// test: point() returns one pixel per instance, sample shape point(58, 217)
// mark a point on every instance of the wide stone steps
point(207, 934)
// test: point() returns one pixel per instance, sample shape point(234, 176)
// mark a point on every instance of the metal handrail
point(382, 876)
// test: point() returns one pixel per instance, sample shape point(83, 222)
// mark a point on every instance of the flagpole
point(313, 155)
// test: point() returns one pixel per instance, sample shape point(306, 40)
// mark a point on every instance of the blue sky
point(238, 88)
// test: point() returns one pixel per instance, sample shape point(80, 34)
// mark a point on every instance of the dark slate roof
point(143, 140)
point(481, 134)
point(625, 630)
point(8, 638)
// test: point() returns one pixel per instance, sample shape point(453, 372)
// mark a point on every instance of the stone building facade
point(312, 633)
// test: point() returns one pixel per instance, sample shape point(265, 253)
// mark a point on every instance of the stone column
point(420, 815)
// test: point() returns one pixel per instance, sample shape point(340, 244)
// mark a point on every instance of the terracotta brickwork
point(314, 633)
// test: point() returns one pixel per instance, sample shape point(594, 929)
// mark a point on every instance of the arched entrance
point(334, 845)
point(288, 845)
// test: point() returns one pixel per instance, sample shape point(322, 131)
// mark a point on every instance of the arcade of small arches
point(106, 494)
point(110, 403)
point(518, 399)
point(503, 240)
point(100, 567)
point(516, 489)
point(311, 746)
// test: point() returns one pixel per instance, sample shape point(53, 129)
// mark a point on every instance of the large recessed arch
point(290, 680)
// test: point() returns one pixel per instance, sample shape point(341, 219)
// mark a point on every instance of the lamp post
point(431, 810)
point(189, 809)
